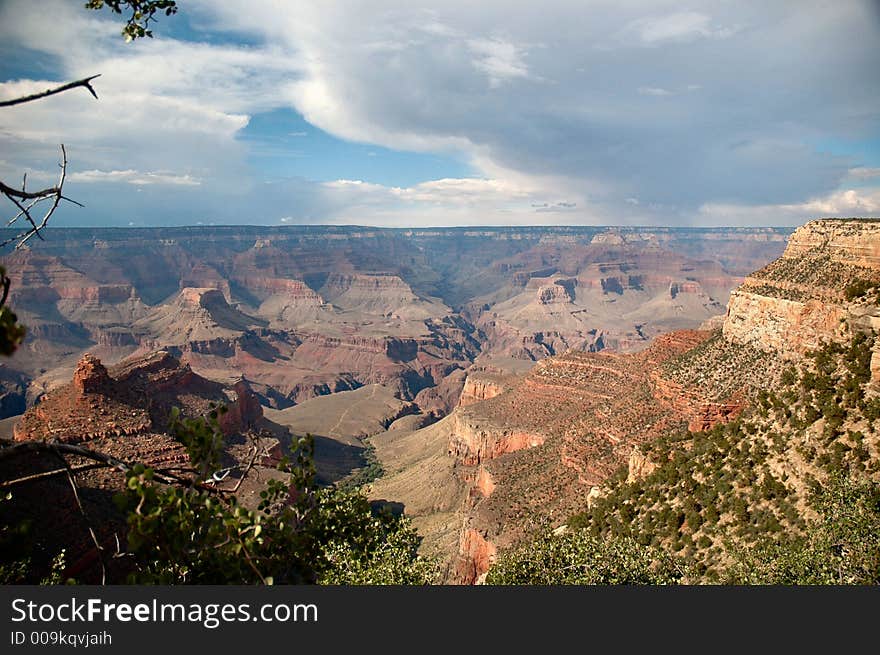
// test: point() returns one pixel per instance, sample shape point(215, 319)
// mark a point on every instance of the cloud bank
point(567, 112)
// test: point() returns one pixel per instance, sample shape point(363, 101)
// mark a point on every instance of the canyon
point(522, 453)
point(302, 312)
point(500, 375)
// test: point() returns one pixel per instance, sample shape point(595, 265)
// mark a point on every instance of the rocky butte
point(522, 453)
point(124, 412)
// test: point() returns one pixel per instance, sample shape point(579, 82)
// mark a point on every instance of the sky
point(407, 113)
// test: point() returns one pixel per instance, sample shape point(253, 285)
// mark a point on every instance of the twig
point(58, 197)
point(247, 470)
point(9, 448)
point(29, 207)
point(25, 211)
point(12, 448)
point(49, 474)
point(86, 83)
point(82, 511)
point(16, 196)
point(54, 193)
point(250, 561)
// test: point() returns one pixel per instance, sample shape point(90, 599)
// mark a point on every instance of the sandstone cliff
point(482, 385)
point(812, 294)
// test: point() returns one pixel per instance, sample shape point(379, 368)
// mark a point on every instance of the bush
point(580, 558)
point(191, 534)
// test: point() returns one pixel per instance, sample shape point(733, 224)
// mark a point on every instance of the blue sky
point(283, 144)
point(452, 113)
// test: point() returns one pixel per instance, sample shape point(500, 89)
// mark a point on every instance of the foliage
point(371, 470)
point(859, 288)
point(193, 534)
point(841, 547)
point(142, 13)
point(729, 503)
point(11, 332)
point(16, 555)
point(580, 558)
point(14, 552)
point(389, 562)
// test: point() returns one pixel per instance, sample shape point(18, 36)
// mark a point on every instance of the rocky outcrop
point(479, 386)
point(295, 292)
point(711, 414)
point(475, 556)
point(561, 291)
point(91, 376)
point(134, 398)
point(484, 483)
point(675, 288)
point(800, 301)
point(638, 467)
point(855, 242)
point(244, 412)
point(194, 315)
point(786, 326)
point(474, 441)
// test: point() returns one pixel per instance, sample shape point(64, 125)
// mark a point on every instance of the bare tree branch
point(55, 194)
point(10, 448)
point(248, 469)
point(82, 511)
point(86, 83)
point(49, 474)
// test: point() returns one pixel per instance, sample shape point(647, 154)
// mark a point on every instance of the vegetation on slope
point(785, 494)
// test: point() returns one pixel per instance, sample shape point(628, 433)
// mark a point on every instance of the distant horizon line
point(425, 227)
point(351, 226)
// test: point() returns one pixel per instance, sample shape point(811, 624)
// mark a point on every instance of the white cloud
point(677, 27)
point(451, 80)
point(760, 81)
point(500, 60)
point(450, 191)
point(135, 177)
point(846, 203)
point(864, 173)
point(162, 102)
point(653, 91)
point(450, 201)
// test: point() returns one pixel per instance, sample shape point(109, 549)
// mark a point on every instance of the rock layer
point(811, 294)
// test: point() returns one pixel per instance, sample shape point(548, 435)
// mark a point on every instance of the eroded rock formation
point(810, 295)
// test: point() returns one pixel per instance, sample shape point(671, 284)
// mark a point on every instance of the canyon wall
point(811, 294)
